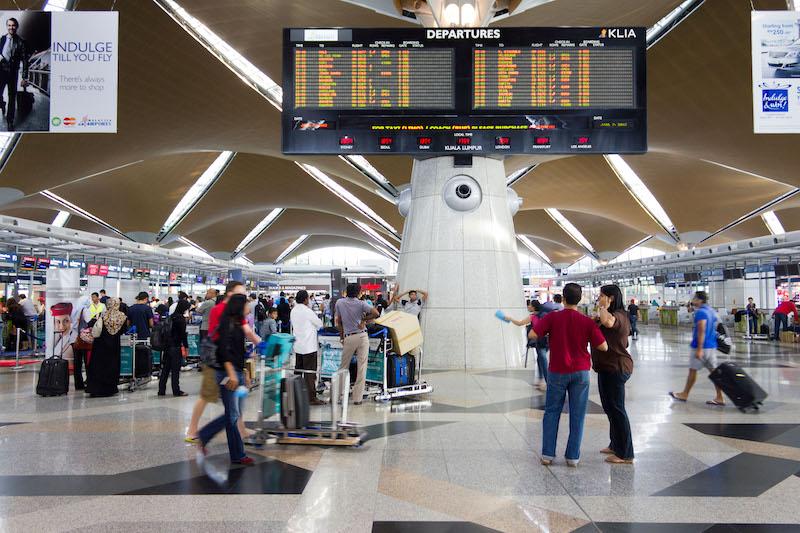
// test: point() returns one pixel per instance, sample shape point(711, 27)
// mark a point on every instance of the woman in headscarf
point(103, 368)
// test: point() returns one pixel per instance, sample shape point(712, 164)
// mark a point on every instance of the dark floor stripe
point(642, 527)
point(753, 432)
point(430, 527)
point(744, 476)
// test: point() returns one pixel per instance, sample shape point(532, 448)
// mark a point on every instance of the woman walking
point(102, 370)
point(229, 374)
point(614, 368)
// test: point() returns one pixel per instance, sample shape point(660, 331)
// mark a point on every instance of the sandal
point(672, 395)
point(607, 451)
point(614, 460)
point(546, 462)
point(191, 440)
point(715, 403)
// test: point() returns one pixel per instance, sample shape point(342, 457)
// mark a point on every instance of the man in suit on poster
point(13, 55)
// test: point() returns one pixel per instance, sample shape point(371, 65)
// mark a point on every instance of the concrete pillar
point(463, 252)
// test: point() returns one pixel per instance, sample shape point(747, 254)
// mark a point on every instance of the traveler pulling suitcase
point(294, 402)
point(401, 370)
point(53, 377)
point(738, 386)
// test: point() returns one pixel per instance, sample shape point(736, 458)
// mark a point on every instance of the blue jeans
point(226, 421)
point(781, 324)
point(559, 386)
point(541, 362)
point(634, 322)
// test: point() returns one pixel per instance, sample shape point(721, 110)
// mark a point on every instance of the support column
point(462, 250)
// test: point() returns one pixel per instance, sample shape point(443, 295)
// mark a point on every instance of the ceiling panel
point(603, 234)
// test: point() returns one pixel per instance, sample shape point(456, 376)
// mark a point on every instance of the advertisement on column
point(58, 71)
point(776, 71)
point(62, 315)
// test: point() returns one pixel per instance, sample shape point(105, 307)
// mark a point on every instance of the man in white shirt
point(305, 324)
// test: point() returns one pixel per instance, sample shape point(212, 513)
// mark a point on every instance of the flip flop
point(715, 402)
point(614, 460)
point(672, 395)
point(191, 440)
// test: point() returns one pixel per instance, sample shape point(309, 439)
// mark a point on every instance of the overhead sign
point(776, 71)
point(59, 71)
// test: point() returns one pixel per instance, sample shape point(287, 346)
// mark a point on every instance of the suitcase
point(144, 361)
point(401, 370)
point(24, 103)
point(53, 377)
point(764, 329)
point(738, 386)
point(294, 402)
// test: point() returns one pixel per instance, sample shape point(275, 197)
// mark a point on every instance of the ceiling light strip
point(386, 253)
point(530, 245)
point(773, 224)
point(374, 234)
point(292, 247)
point(642, 194)
point(61, 219)
point(517, 175)
point(8, 142)
point(360, 163)
point(85, 214)
point(348, 197)
point(755, 212)
point(668, 23)
point(235, 61)
point(258, 230)
point(196, 246)
point(196, 193)
point(571, 230)
point(58, 5)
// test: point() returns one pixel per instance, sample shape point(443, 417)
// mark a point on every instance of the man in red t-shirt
point(781, 315)
point(568, 373)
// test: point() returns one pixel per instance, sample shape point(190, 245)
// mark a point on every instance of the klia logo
point(618, 33)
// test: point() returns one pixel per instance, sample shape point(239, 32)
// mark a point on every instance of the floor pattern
point(465, 459)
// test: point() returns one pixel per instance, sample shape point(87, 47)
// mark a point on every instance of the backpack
point(261, 312)
point(159, 337)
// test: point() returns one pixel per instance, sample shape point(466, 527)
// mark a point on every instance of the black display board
point(484, 91)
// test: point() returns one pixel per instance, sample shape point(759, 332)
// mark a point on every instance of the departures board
point(483, 91)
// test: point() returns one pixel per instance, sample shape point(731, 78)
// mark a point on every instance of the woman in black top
point(230, 373)
point(15, 319)
point(177, 350)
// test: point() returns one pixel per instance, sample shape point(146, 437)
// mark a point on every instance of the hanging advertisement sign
point(63, 310)
point(776, 71)
point(58, 71)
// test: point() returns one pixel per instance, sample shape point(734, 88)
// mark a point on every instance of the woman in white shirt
point(305, 324)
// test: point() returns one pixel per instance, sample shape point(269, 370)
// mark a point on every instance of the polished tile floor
point(466, 460)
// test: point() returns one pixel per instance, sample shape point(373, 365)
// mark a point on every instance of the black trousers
point(78, 360)
point(170, 366)
point(8, 78)
point(308, 362)
point(612, 395)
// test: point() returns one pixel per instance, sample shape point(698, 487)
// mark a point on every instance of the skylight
point(674, 17)
point(243, 260)
point(773, 224)
point(56, 5)
point(61, 219)
point(7, 143)
point(196, 192)
point(570, 229)
point(292, 247)
point(530, 245)
point(517, 175)
point(347, 197)
point(374, 234)
point(642, 194)
point(85, 214)
point(360, 163)
point(383, 251)
point(260, 228)
point(192, 249)
point(235, 61)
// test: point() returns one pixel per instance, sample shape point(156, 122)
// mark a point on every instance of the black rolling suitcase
point(53, 377)
point(24, 103)
point(764, 329)
point(401, 371)
point(738, 386)
point(144, 361)
point(294, 402)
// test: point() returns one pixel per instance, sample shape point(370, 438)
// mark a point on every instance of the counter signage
point(776, 71)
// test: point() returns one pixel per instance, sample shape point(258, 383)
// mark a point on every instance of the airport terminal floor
point(466, 461)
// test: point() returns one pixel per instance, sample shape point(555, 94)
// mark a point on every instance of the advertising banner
point(776, 71)
point(62, 315)
point(58, 71)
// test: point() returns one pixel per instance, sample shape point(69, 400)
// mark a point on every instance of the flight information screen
point(346, 78)
point(519, 78)
point(482, 91)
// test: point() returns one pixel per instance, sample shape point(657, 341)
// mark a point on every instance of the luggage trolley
point(273, 359)
point(330, 350)
point(413, 389)
point(127, 362)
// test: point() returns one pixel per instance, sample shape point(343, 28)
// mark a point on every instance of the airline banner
point(776, 71)
point(58, 71)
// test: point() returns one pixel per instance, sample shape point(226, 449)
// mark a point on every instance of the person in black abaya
point(103, 368)
point(177, 350)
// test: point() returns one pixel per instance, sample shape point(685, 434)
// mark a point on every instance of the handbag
point(86, 336)
point(97, 329)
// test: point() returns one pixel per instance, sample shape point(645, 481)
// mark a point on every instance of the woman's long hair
point(617, 302)
point(233, 314)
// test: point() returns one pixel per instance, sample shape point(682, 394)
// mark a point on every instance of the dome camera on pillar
point(459, 246)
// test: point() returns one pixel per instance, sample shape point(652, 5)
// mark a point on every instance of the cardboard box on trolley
point(404, 329)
